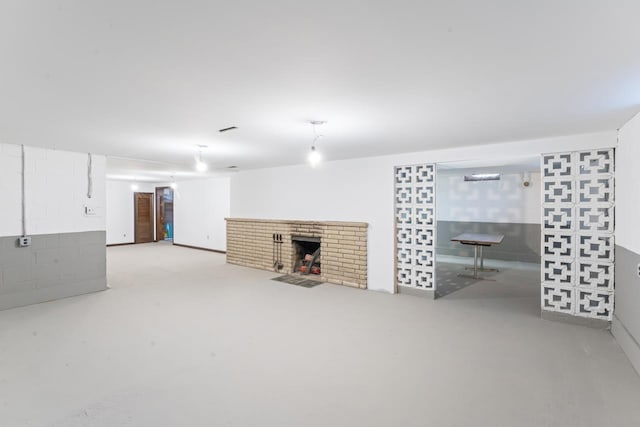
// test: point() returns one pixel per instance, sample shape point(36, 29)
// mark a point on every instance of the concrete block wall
point(54, 266)
point(67, 256)
point(343, 247)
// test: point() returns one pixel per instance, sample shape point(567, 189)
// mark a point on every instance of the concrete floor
point(513, 280)
point(182, 339)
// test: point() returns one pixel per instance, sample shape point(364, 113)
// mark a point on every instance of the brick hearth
point(343, 246)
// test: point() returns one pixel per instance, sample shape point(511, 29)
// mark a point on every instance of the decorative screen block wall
point(577, 233)
point(415, 211)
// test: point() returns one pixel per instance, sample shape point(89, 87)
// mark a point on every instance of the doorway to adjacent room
point(488, 230)
point(164, 214)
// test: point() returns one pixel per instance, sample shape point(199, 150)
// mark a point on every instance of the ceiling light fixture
point(201, 166)
point(482, 177)
point(314, 156)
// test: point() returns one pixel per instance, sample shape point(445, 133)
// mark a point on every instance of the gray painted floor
point(182, 339)
point(512, 280)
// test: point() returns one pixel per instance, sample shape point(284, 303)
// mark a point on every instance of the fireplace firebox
point(306, 255)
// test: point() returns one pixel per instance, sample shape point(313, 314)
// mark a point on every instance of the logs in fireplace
point(306, 254)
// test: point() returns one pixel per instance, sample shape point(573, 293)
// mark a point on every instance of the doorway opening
point(143, 217)
point(164, 214)
point(488, 230)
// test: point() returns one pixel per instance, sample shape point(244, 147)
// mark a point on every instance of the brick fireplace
point(342, 258)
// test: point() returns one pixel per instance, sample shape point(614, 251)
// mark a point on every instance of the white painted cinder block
point(56, 191)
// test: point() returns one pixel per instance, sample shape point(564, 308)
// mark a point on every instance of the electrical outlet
point(639, 269)
point(24, 241)
point(89, 210)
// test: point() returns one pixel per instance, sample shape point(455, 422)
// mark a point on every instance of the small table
point(478, 241)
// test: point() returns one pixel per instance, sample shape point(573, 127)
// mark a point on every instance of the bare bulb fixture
point(314, 158)
point(201, 166)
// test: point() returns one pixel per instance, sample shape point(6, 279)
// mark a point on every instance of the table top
point(479, 239)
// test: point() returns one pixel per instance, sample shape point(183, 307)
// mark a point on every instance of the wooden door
point(143, 217)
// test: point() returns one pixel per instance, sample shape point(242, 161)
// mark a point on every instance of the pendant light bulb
point(200, 165)
point(314, 157)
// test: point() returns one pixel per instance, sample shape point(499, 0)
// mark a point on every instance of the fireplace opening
point(306, 255)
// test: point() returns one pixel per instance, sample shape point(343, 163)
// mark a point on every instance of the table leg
point(481, 268)
point(475, 261)
point(475, 264)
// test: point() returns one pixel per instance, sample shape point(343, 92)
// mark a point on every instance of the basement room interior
point(338, 214)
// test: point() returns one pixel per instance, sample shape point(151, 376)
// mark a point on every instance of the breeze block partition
point(578, 233)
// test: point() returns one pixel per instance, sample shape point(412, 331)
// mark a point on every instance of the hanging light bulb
point(314, 157)
point(201, 166)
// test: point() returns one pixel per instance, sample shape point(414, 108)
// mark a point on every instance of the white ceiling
point(152, 79)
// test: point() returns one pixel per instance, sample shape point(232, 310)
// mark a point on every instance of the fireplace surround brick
point(343, 246)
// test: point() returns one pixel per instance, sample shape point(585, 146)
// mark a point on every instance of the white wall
point(503, 201)
point(626, 322)
point(56, 185)
point(627, 186)
point(362, 190)
point(120, 215)
point(199, 209)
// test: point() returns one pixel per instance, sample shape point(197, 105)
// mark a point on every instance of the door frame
point(135, 216)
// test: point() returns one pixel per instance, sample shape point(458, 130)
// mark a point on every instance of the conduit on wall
point(89, 177)
point(24, 216)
